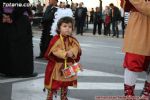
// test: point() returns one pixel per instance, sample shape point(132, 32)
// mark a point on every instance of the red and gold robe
point(56, 55)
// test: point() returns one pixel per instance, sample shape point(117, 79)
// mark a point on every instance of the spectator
point(48, 19)
point(97, 21)
point(115, 17)
point(39, 9)
point(91, 15)
point(107, 24)
point(122, 20)
point(107, 20)
point(80, 14)
point(61, 12)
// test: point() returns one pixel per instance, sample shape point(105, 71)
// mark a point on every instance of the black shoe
point(39, 57)
point(113, 35)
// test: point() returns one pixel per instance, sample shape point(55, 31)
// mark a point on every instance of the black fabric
point(21, 48)
point(17, 48)
point(48, 19)
point(5, 50)
point(49, 13)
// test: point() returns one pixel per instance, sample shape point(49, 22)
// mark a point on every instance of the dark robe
point(21, 47)
point(17, 46)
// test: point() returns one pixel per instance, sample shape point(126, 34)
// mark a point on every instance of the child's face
point(66, 29)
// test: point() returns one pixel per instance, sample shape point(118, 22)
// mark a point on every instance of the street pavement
point(101, 59)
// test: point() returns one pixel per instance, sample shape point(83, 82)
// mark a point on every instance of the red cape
point(51, 62)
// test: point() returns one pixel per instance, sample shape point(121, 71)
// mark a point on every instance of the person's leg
point(50, 95)
point(64, 91)
point(116, 29)
point(94, 28)
point(78, 27)
point(146, 89)
point(133, 64)
point(108, 29)
point(123, 26)
point(113, 29)
point(99, 28)
point(105, 28)
point(81, 26)
point(129, 82)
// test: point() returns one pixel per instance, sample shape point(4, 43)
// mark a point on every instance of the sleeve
point(75, 50)
point(59, 52)
point(142, 6)
point(70, 12)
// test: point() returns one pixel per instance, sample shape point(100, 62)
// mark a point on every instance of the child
point(107, 24)
point(62, 46)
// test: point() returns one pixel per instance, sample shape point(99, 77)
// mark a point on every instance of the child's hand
point(81, 67)
point(69, 54)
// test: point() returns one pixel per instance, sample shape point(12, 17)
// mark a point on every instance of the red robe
point(52, 60)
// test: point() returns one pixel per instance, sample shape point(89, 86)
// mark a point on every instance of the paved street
point(102, 76)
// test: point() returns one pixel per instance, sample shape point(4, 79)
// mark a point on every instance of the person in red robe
point(137, 46)
point(63, 47)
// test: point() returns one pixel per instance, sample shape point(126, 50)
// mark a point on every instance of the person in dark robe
point(18, 47)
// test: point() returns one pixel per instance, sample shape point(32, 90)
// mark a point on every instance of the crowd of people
point(110, 16)
point(62, 49)
point(102, 18)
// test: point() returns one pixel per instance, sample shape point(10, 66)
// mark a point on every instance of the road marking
point(39, 62)
point(32, 89)
point(89, 45)
point(99, 45)
point(120, 53)
point(86, 72)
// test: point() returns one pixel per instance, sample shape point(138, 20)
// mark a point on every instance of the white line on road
point(86, 72)
point(39, 62)
point(99, 45)
point(120, 53)
point(89, 45)
point(32, 90)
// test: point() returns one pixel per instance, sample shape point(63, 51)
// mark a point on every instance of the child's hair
point(64, 20)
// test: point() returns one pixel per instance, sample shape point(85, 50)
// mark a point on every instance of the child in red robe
point(63, 47)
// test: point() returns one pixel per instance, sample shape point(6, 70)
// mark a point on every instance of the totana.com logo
point(16, 4)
